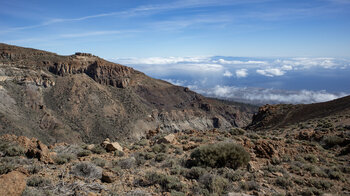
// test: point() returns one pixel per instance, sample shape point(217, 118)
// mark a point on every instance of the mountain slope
point(85, 98)
point(276, 116)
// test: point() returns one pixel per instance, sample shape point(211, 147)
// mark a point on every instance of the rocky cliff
point(82, 97)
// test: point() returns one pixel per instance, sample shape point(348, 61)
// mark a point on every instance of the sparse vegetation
point(87, 170)
point(167, 182)
point(64, 158)
point(38, 181)
point(220, 155)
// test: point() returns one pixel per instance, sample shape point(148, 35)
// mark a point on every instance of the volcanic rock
point(13, 183)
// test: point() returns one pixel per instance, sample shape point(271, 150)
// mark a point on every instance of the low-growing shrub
point(87, 170)
point(220, 155)
point(236, 131)
point(250, 186)
point(194, 173)
point(98, 161)
point(167, 182)
point(6, 168)
point(35, 168)
point(331, 141)
point(321, 184)
point(283, 182)
point(38, 181)
point(14, 150)
point(214, 183)
point(64, 158)
point(84, 153)
point(177, 193)
point(119, 153)
point(98, 149)
point(160, 148)
point(37, 191)
point(234, 176)
point(127, 163)
point(143, 142)
point(160, 157)
point(310, 192)
point(346, 150)
point(311, 158)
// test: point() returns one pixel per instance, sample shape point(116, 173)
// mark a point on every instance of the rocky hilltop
point(281, 115)
point(82, 97)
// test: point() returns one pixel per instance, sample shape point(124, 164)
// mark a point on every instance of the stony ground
point(309, 158)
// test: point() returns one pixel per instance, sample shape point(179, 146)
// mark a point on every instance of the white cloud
point(241, 73)
point(270, 72)
point(162, 60)
point(227, 74)
point(236, 62)
point(176, 82)
point(86, 34)
point(287, 67)
point(305, 63)
point(263, 96)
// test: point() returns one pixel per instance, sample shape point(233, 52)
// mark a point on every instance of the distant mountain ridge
point(277, 116)
point(85, 98)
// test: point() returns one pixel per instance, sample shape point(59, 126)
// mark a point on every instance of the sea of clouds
point(252, 80)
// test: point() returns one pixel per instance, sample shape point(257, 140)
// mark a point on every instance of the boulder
point(167, 139)
point(264, 149)
point(113, 147)
point(107, 177)
point(33, 147)
point(90, 147)
point(305, 135)
point(13, 183)
point(41, 152)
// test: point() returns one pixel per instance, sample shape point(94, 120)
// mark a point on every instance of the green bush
point(167, 182)
point(84, 153)
point(194, 173)
point(143, 142)
point(311, 158)
point(160, 148)
point(98, 161)
point(6, 168)
point(321, 184)
point(127, 163)
point(63, 158)
point(38, 181)
point(250, 186)
point(160, 157)
point(283, 182)
point(10, 149)
point(119, 153)
point(35, 168)
point(331, 141)
point(236, 131)
point(214, 183)
point(98, 149)
point(220, 155)
point(14, 151)
point(87, 170)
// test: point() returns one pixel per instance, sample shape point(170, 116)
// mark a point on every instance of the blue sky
point(296, 46)
point(180, 27)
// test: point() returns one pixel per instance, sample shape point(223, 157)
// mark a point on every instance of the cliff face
point(85, 98)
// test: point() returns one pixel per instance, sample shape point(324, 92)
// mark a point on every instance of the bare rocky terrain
point(85, 98)
point(79, 125)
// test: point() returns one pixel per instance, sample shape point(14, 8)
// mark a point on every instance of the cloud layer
point(227, 65)
point(257, 78)
point(263, 96)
